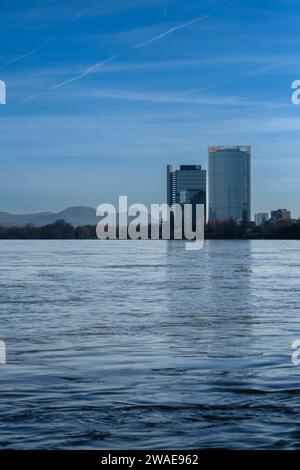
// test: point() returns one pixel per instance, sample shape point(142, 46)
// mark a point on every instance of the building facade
point(280, 215)
point(186, 185)
point(261, 218)
point(229, 183)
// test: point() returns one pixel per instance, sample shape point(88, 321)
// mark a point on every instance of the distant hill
point(79, 215)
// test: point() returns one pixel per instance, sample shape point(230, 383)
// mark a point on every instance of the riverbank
point(230, 230)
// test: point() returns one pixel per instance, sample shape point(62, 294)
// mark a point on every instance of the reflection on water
point(123, 344)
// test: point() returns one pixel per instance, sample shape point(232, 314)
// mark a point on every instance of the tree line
point(62, 230)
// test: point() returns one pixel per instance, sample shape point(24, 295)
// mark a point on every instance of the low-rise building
point(281, 215)
point(261, 218)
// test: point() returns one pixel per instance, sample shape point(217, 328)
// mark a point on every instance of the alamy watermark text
point(180, 221)
point(2, 92)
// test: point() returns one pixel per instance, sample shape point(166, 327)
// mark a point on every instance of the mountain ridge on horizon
point(75, 215)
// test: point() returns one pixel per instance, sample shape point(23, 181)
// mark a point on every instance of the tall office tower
point(186, 185)
point(229, 183)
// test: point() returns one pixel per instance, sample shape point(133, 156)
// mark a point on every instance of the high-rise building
point(229, 183)
point(186, 185)
point(280, 214)
point(261, 218)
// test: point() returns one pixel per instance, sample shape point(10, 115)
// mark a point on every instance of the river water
point(141, 344)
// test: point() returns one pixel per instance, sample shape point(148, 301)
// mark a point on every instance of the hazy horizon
point(101, 96)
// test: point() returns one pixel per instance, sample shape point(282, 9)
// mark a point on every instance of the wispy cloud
point(78, 15)
point(56, 10)
point(89, 70)
point(252, 73)
point(175, 98)
point(267, 68)
point(169, 31)
point(207, 88)
point(27, 54)
point(98, 65)
point(167, 64)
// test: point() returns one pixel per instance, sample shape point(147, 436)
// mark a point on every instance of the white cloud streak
point(78, 15)
point(89, 70)
point(267, 68)
point(150, 97)
point(110, 59)
point(27, 54)
point(169, 31)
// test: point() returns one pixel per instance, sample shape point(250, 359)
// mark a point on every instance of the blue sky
point(101, 95)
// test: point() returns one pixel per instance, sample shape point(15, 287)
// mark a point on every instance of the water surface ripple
point(123, 344)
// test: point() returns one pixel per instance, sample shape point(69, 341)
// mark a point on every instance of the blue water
point(123, 344)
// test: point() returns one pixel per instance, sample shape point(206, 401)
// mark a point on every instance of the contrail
point(113, 57)
point(78, 15)
point(210, 87)
point(27, 54)
point(89, 70)
point(98, 65)
point(170, 31)
point(266, 69)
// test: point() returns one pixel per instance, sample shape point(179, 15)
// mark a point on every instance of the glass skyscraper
point(186, 185)
point(229, 170)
